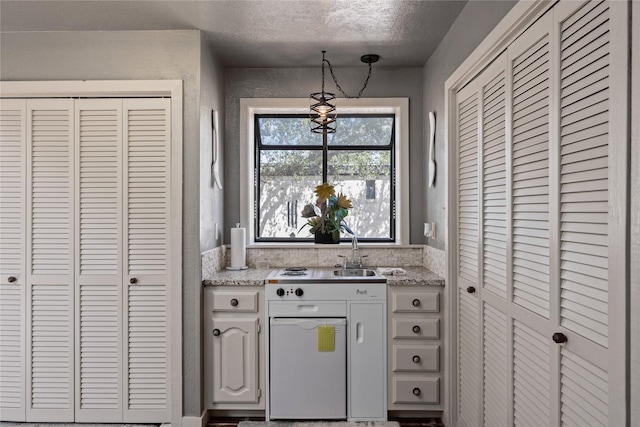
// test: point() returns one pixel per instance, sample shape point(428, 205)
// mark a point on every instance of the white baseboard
point(200, 421)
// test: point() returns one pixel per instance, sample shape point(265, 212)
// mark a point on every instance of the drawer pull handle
point(133, 280)
point(471, 289)
point(216, 332)
point(416, 329)
point(416, 359)
point(11, 279)
point(416, 391)
point(559, 338)
point(416, 302)
point(234, 302)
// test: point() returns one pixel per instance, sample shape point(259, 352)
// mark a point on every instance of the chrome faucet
point(356, 260)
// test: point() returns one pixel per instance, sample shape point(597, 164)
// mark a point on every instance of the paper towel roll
point(238, 248)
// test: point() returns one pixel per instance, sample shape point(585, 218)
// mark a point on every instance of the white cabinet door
point(234, 350)
point(367, 366)
point(50, 260)
point(147, 182)
point(12, 258)
point(98, 279)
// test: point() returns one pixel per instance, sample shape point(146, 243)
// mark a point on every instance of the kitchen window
point(289, 166)
point(367, 161)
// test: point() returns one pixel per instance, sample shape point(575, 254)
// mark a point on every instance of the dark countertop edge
point(416, 276)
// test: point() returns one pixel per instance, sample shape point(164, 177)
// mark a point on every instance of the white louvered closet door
point(468, 306)
point(12, 255)
point(99, 254)
point(147, 167)
point(493, 220)
point(482, 268)
point(50, 261)
point(530, 59)
point(592, 230)
point(545, 252)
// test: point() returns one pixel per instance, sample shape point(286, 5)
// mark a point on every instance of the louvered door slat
point(147, 171)
point(531, 171)
point(469, 362)
point(494, 176)
point(50, 253)
point(531, 375)
point(584, 177)
point(495, 366)
point(12, 256)
point(584, 391)
point(99, 252)
point(468, 189)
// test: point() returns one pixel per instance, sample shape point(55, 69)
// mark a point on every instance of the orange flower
point(325, 191)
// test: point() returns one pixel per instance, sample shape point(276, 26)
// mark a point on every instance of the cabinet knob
point(216, 332)
point(11, 279)
point(471, 289)
point(416, 302)
point(416, 391)
point(416, 329)
point(233, 302)
point(559, 338)
point(133, 280)
point(416, 359)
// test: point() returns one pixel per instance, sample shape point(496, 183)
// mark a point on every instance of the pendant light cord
point(336, 80)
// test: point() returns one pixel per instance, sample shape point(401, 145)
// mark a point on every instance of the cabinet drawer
point(416, 328)
point(236, 301)
point(412, 301)
point(418, 390)
point(416, 358)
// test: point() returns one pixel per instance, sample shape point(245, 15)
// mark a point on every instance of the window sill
point(311, 245)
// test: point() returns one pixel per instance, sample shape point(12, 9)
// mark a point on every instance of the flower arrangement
point(328, 214)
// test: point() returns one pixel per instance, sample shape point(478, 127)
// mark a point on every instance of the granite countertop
point(256, 277)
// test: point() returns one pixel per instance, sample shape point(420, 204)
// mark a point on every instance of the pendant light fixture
point(323, 109)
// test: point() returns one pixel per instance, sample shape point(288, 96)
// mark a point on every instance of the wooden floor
point(404, 422)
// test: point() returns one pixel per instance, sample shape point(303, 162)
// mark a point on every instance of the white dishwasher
point(307, 380)
point(308, 367)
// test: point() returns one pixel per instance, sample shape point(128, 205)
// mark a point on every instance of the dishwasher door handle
point(359, 333)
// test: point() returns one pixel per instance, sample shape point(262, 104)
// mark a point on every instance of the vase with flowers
point(326, 217)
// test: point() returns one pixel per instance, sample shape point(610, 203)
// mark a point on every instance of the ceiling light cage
point(322, 111)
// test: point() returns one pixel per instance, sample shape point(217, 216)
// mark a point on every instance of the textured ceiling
point(261, 33)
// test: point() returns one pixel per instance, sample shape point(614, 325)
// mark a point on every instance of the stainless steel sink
point(355, 272)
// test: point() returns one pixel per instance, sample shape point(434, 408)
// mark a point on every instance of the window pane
point(359, 174)
point(287, 181)
point(287, 131)
point(362, 131)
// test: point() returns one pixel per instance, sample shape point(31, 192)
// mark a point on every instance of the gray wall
point(131, 55)
point(635, 222)
point(299, 83)
point(211, 97)
point(475, 21)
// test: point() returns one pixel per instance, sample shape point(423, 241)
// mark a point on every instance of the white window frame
point(249, 107)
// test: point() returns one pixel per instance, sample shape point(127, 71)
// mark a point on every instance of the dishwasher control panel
point(287, 291)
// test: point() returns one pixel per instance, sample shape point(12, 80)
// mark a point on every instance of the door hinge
point(259, 328)
point(259, 393)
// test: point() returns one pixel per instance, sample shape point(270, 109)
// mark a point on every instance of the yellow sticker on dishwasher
point(326, 338)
